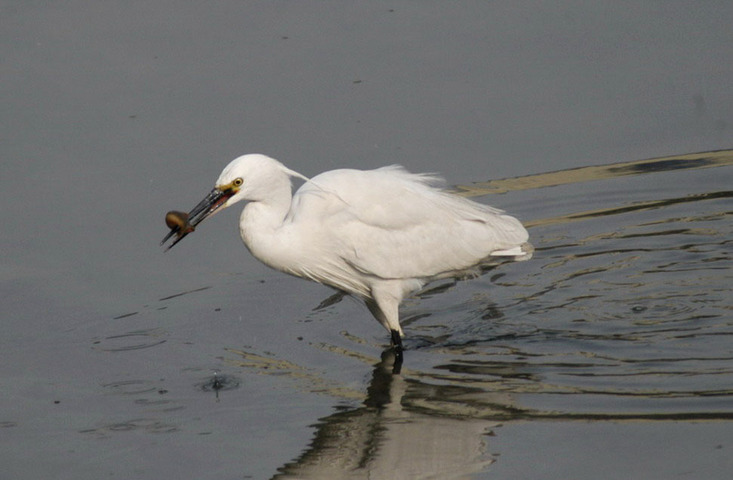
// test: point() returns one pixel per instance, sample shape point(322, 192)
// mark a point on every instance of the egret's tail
point(520, 252)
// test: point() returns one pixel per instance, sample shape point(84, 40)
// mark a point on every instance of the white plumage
point(377, 234)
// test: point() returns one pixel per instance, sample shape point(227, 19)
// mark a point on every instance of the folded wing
point(392, 224)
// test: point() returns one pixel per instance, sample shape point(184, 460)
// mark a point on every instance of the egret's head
point(249, 177)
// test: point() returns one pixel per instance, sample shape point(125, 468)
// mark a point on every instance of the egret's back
point(390, 224)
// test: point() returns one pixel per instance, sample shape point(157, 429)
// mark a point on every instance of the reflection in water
point(390, 438)
point(637, 206)
point(623, 316)
point(601, 172)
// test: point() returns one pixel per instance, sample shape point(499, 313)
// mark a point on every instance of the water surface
point(605, 356)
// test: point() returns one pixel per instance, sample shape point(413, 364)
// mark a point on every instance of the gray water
point(607, 355)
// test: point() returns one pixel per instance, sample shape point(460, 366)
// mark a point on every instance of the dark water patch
point(187, 292)
point(330, 301)
point(131, 387)
point(663, 165)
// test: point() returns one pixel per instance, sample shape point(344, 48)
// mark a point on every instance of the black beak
point(182, 224)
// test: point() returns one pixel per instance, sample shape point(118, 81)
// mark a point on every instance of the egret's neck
point(267, 213)
point(260, 223)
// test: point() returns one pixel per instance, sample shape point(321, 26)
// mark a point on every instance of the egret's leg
point(378, 314)
point(395, 335)
point(384, 305)
point(385, 309)
point(396, 341)
point(397, 348)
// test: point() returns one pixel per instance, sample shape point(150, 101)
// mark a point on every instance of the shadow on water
point(624, 317)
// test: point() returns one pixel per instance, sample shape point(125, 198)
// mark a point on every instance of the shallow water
point(605, 356)
point(613, 339)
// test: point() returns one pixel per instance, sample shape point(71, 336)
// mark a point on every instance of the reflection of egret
point(404, 429)
point(378, 234)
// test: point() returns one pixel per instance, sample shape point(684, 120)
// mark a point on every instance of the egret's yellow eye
point(237, 182)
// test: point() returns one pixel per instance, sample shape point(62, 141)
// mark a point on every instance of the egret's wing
point(392, 224)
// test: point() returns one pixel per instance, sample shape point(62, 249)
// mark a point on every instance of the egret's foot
point(396, 340)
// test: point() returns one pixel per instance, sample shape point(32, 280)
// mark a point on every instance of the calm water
point(605, 356)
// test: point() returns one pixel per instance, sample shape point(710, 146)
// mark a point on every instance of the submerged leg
point(396, 340)
point(397, 345)
point(397, 348)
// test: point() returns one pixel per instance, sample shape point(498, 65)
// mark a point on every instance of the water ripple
point(134, 340)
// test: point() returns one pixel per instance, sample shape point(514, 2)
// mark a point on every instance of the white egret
point(376, 234)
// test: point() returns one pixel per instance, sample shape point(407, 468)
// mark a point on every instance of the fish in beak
point(181, 223)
